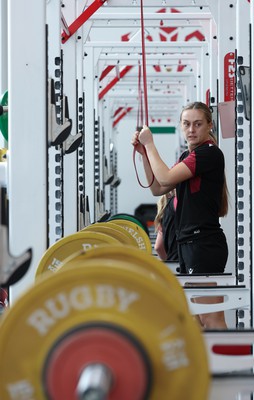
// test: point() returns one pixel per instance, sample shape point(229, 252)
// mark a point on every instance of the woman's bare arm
point(166, 178)
point(159, 245)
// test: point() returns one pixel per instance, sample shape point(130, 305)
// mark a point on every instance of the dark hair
point(224, 199)
point(198, 105)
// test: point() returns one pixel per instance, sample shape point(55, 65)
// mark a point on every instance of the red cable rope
point(140, 106)
point(140, 94)
point(144, 62)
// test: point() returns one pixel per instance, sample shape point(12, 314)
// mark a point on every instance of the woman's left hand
point(145, 135)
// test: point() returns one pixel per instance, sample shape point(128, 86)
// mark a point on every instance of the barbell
point(94, 235)
point(56, 253)
point(103, 329)
point(141, 260)
point(132, 218)
point(137, 232)
point(114, 230)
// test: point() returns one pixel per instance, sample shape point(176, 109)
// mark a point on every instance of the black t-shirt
point(199, 198)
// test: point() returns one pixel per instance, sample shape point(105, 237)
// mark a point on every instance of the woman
point(165, 244)
point(200, 184)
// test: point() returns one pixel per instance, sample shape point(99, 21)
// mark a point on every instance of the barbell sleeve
point(95, 382)
point(3, 109)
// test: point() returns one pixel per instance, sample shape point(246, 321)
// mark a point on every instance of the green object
point(162, 129)
point(130, 218)
point(4, 116)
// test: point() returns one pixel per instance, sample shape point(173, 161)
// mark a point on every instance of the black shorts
point(204, 255)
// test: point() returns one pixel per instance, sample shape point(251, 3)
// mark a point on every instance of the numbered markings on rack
point(138, 260)
point(114, 230)
point(141, 237)
point(80, 316)
point(63, 248)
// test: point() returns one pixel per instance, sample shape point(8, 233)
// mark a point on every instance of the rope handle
point(135, 167)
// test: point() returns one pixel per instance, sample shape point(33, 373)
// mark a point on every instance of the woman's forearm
point(155, 169)
point(159, 168)
point(156, 188)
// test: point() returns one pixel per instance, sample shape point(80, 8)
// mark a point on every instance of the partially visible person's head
point(161, 204)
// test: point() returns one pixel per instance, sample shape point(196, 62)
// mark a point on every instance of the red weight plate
point(97, 345)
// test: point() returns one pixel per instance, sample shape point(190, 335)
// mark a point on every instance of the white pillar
point(70, 160)
point(3, 54)
point(226, 50)
point(27, 132)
